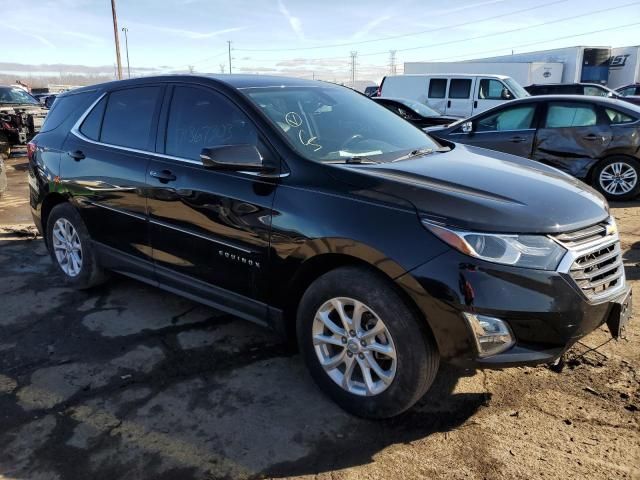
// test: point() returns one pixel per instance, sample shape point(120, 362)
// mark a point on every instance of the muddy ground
point(130, 382)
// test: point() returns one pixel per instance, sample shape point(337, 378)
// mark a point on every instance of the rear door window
point(437, 87)
point(128, 117)
point(201, 118)
point(460, 88)
point(567, 114)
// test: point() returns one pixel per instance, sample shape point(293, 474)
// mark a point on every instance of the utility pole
point(354, 54)
point(392, 62)
point(229, 43)
point(117, 39)
point(126, 44)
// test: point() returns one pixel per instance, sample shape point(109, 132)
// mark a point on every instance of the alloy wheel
point(354, 346)
point(618, 178)
point(67, 247)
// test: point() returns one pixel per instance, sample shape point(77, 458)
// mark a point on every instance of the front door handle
point(164, 176)
point(591, 137)
point(77, 155)
point(517, 139)
point(449, 104)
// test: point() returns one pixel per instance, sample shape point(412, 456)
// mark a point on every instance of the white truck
point(624, 66)
point(525, 73)
point(459, 95)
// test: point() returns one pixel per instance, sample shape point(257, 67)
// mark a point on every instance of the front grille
point(597, 267)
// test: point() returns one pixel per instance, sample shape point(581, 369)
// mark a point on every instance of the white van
point(460, 95)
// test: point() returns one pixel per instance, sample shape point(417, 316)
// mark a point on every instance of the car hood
point(483, 190)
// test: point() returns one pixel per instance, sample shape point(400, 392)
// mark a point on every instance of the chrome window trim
point(199, 235)
point(75, 130)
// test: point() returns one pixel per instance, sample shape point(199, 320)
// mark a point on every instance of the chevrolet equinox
point(308, 208)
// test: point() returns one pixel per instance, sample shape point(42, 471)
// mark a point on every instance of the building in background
point(605, 65)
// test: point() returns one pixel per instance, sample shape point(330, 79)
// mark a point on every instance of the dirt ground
point(130, 382)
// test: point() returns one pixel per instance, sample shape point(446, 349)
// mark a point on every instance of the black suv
point(306, 207)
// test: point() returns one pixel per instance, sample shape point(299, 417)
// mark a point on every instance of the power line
point(617, 27)
point(514, 30)
point(404, 35)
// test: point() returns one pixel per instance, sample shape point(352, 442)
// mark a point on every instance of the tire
point(88, 272)
point(416, 355)
point(604, 178)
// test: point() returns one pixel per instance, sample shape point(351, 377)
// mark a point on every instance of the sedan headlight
point(529, 251)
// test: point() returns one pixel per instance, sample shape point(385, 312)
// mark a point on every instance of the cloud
point(295, 22)
point(40, 38)
point(370, 26)
point(190, 34)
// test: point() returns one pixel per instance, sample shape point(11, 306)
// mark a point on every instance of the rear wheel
point(71, 249)
point(618, 178)
point(364, 346)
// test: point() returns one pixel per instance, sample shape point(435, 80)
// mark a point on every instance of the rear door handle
point(77, 155)
point(164, 176)
point(449, 104)
point(517, 139)
point(475, 104)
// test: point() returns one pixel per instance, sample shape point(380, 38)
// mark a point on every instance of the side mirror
point(506, 94)
point(233, 157)
point(467, 127)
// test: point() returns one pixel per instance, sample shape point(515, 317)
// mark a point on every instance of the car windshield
point(328, 123)
point(14, 95)
point(419, 108)
point(516, 88)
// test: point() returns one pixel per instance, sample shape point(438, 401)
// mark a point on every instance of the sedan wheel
point(618, 178)
point(67, 247)
point(354, 346)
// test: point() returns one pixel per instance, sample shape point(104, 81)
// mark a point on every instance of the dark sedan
point(594, 139)
point(415, 112)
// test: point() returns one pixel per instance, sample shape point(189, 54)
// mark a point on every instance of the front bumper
point(545, 310)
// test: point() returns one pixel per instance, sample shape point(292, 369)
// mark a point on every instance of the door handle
point(590, 137)
point(475, 104)
point(77, 155)
point(517, 139)
point(449, 104)
point(164, 176)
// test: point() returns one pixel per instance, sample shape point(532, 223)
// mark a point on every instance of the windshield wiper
point(360, 160)
point(421, 152)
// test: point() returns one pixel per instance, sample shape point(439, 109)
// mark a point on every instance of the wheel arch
point(50, 201)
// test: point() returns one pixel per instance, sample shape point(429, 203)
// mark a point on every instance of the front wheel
point(618, 178)
point(363, 345)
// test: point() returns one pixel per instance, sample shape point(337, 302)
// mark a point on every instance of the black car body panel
point(249, 243)
point(574, 150)
point(402, 108)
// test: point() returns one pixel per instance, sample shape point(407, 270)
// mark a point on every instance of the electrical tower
point(392, 62)
point(354, 55)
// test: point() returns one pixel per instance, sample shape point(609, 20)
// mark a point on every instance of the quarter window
point(200, 119)
point(562, 115)
point(490, 89)
point(128, 117)
point(437, 87)
point(595, 91)
point(515, 118)
point(91, 125)
point(618, 117)
point(460, 88)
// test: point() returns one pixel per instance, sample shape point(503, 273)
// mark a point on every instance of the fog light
point(492, 335)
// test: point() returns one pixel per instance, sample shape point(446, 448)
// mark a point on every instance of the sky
point(305, 38)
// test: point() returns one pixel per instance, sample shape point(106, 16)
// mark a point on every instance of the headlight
point(529, 251)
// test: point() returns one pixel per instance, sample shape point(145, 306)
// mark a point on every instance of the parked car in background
point(415, 112)
point(595, 139)
point(21, 117)
point(48, 101)
point(589, 89)
point(459, 95)
point(371, 91)
point(632, 90)
point(307, 207)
